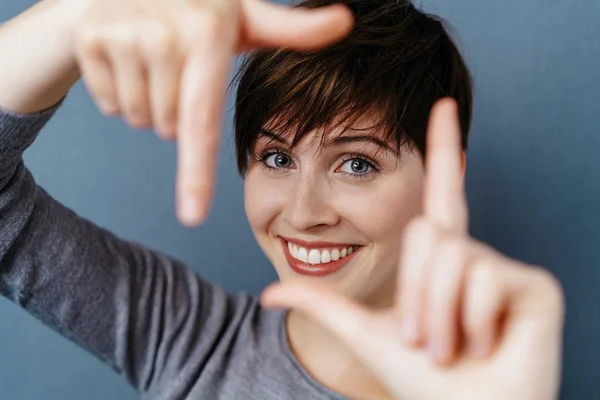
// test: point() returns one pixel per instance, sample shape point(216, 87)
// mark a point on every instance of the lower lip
point(316, 269)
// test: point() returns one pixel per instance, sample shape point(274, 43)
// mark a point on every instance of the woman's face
point(334, 210)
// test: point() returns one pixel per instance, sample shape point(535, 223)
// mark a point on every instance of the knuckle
point(122, 38)
point(102, 94)
point(214, 13)
point(136, 109)
point(101, 86)
point(551, 287)
point(454, 248)
point(441, 309)
point(209, 23)
point(438, 325)
point(134, 99)
point(167, 112)
point(196, 190)
point(484, 274)
point(482, 292)
point(157, 39)
point(211, 31)
point(476, 319)
point(211, 138)
point(207, 132)
point(473, 323)
point(88, 35)
point(88, 41)
point(192, 183)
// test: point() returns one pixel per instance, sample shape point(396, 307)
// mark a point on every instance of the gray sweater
point(168, 332)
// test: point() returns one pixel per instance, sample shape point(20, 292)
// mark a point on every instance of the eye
point(356, 166)
point(278, 160)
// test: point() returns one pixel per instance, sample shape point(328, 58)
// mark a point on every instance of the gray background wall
point(533, 185)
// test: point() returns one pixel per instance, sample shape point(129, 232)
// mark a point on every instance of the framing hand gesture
point(468, 322)
point(165, 65)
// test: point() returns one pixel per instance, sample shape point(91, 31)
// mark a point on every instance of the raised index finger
point(445, 202)
point(203, 90)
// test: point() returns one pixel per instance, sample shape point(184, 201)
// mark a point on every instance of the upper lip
point(317, 244)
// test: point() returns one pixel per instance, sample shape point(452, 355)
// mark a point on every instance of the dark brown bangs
point(392, 68)
point(315, 93)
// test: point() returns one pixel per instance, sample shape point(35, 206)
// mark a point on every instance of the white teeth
point(302, 254)
point(335, 254)
point(325, 256)
point(314, 257)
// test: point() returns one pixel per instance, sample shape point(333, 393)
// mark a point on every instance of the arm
point(38, 67)
point(137, 310)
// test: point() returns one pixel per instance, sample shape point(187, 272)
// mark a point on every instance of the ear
point(463, 164)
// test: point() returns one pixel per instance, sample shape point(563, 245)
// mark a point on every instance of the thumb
point(271, 25)
point(345, 319)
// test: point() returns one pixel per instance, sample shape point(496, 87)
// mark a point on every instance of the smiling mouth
point(318, 261)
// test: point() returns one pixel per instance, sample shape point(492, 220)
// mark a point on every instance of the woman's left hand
point(468, 322)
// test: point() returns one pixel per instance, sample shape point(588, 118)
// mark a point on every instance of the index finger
point(203, 89)
point(445, 201)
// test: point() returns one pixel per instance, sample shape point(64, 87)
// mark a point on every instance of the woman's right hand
point(165, 64)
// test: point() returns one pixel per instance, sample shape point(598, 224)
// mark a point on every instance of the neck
point(329, 361)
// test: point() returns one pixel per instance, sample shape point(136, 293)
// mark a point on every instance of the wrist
point(40, 43)
point(66, 17)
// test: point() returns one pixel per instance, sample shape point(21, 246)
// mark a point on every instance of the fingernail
point(107, 108)
point(171, 125)
point(477, 349)
point(191, 210)
point(410, 330)
point(169, 128)
point(438, 350)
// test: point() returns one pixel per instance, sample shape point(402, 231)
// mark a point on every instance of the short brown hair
point(396, 63)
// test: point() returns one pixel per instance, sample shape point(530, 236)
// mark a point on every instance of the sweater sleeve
point(139, 311)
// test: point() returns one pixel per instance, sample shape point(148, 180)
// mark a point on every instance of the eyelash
point(375, 169)
point(265, 154)
point(355, 156)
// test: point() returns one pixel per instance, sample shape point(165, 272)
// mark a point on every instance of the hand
point(165, 64)
point(492, 325)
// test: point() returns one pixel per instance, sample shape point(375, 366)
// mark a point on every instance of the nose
point(310, 206)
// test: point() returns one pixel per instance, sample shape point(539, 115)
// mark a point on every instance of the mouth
point(317, 259)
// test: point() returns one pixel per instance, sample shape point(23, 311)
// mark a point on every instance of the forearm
point(134, 308)
point(38, 66)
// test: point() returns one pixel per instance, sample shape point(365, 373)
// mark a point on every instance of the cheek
point(263, 200)
point(397, 208)
point(383, 211)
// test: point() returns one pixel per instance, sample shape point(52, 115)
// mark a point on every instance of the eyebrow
point(272, 135)
point(359, 139)
point(336, 141)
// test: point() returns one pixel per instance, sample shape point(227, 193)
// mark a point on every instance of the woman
point(364, 220)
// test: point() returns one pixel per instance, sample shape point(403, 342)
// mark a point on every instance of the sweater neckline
point(286, 349)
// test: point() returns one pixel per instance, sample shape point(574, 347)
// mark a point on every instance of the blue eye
point(357, 166)
point(278, 160)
